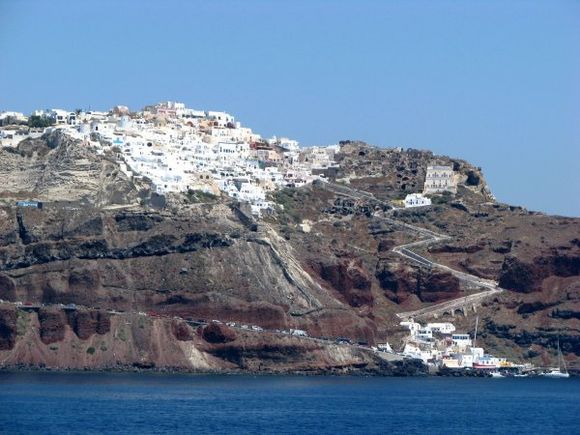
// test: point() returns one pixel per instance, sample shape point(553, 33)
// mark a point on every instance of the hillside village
point(181, 150)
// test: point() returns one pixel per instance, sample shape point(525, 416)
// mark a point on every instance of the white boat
point(496, 375)
point(557, 372)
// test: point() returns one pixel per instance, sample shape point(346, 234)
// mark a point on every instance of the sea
point(137, 403)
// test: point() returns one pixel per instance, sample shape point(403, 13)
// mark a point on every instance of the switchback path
point(428, 237)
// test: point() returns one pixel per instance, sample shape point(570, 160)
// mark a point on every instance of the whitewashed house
point(416, 200)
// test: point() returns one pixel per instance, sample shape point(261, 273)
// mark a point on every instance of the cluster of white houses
point(181, 149)
point(439, 344)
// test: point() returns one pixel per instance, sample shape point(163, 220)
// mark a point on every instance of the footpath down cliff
point(107, 280)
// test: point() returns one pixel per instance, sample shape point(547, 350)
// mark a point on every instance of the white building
point(16, 117)
point(442, 328)
point(416, 200)
point(220, 119)
point(62, 117)
point(462, 341)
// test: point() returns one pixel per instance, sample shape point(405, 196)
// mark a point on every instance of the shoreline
point(298, 373)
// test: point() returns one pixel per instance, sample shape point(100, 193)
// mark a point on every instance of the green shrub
point(39, 121)
point(122, 335)
point(91, 350)
point(290, 199)
point(199, 196)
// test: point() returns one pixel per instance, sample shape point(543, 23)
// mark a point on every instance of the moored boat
point(557, 372)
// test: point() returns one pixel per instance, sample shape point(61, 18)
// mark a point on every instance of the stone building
point(439, 179)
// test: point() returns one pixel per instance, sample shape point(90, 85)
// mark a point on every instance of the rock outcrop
point(527, 277)
point(59, 168)
point(8, 327)
point(218, 333)
point(349, 279)
point(85, 323)
point(53, 324)
point(429, 286)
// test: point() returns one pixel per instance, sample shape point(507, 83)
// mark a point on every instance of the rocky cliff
point(146, 283)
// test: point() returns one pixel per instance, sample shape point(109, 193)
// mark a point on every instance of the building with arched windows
point(439, 179)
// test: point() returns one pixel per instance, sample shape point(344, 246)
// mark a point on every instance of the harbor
point(444, 349)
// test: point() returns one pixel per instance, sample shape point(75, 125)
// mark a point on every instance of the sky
point(496, 83)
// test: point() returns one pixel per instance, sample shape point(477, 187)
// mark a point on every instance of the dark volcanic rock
point(90, 228)
point(564, 265)
point(52, 325)
point(265, 352)
point(8, 328)
point(547, 339)
point(527, 278)
point(157, 245)
point(473, 178)
point(517, 276)
point(83, 279)
point(7, 288)
point(503, 247)
point(407, 367)
point(136, 222)
point(565, 314)
point(218, 333)
point(532, 307)
point(386, 245)
point(469, 249)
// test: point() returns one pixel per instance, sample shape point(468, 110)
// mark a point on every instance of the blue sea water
point(160, 403)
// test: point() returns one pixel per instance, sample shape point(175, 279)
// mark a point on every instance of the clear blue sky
point(493, 82)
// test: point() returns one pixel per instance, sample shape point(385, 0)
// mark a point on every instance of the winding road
point(428, 238)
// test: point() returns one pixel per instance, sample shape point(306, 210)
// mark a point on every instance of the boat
point(557, 372)
point(496, 375)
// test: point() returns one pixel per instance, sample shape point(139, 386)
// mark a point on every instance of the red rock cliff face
point(436, 286)
point(430, 286)
point(218, 333)
point(86, 323)
point(8, 327)
point(181, 330)
point(53, 324)
point(350, 279)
